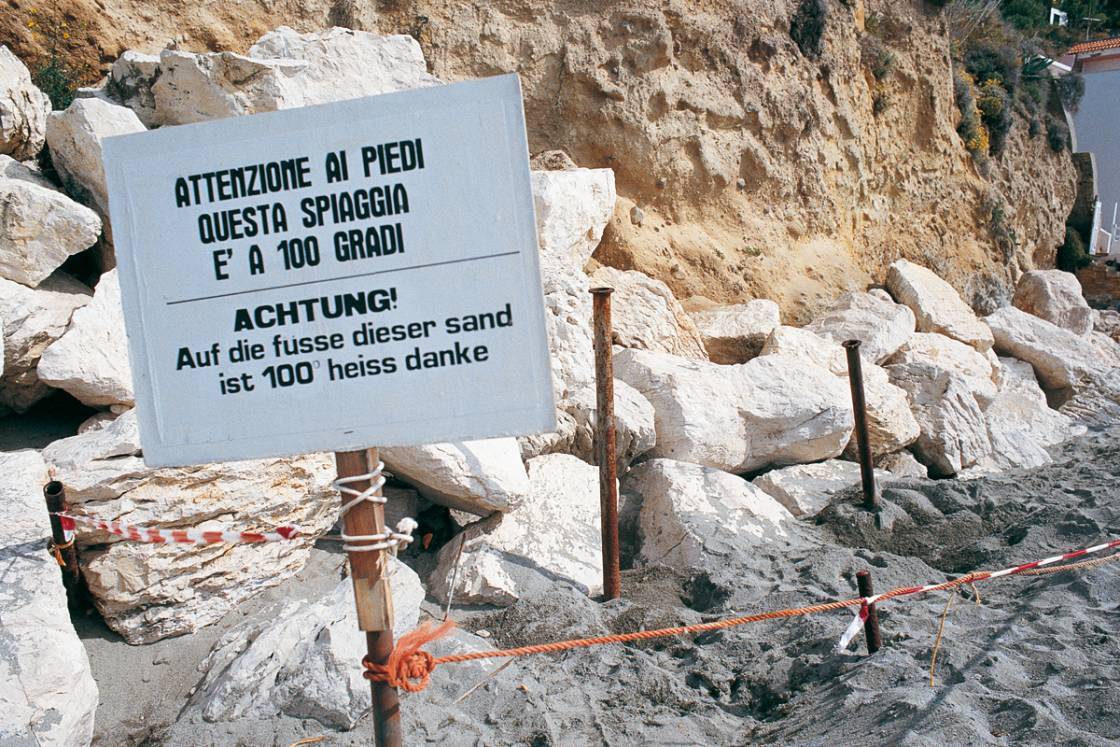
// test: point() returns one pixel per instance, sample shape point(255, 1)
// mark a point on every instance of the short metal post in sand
point(372, 597)
point(64, 550)
point(605, 447)
point(863, 435)
point(871, 625)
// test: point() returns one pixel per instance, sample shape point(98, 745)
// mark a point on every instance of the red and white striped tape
point(180, 536)
point(864, 609)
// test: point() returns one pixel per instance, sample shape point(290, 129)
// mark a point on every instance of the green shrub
point(1072, 255)
point(986, 61)
point(1071, 88)
point(1057, 134)
point(876, 57)
point(806, 28)
point(971, 128)
point(57, 81)
point(995, 111)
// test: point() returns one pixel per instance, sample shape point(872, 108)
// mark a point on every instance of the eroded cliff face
point(757, 169)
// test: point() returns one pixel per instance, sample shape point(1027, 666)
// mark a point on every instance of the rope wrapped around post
point(371, 542)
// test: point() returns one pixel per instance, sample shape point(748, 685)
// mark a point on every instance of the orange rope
point(410, 668)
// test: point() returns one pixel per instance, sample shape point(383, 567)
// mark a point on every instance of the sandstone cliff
point(757, 169)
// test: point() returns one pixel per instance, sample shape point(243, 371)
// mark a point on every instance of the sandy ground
point(1035, 662)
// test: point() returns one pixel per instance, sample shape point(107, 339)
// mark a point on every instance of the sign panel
point(363, 273)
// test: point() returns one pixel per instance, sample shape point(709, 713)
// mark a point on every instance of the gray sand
point(1035, 663)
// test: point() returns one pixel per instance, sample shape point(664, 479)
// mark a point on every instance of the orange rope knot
point(408, 667)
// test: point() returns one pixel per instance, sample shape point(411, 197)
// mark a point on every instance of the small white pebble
point(482, 633)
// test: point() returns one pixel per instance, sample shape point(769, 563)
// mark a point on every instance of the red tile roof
point(1099, 45)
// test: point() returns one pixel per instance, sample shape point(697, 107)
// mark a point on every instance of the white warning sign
point(357, 274)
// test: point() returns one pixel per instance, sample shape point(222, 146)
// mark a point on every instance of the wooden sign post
point(372, 596)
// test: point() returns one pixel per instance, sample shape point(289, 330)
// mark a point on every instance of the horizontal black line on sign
point(345, 277)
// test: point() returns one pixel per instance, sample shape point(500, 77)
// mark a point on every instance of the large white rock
point(130, 83)
point(1060, 358)
point(39, 226)
point(1021, 426)
point(1055, 296)
point(572, 209)
point(645, 315)
point(47, 694)
point(945, 353)
point(889, 420)
point(954, 434)
point(773, 410)
point(301, 659)
point(75, 136)
point(476, 476)
point(283, 70)
point(90, 361)
point(736, 333)
point(343, 63)
point(805, 489)
point(147, 592)
point(635, 432)
point(23, 109)
point(554, 535)
point(33, 318)
point(692, 516)
point(936, 305)
point(881, 325)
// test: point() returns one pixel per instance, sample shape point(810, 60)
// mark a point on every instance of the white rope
point(382, 541)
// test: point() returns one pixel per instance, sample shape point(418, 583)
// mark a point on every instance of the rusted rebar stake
point(605, 448)
point(372, 597)
point(871, 625)
point(863, 435)
point(63, 549)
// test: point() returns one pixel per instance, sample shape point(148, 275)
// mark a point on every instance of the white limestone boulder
point(90, 361)
point(890, 423)
point(953, 356)
point(936, 305)
point(75, 136)
point(635, 432)
point(773, 410)
point(147, 592)
point(130, 83)
point(476, 476)
point(1060, 358)
point(554, 535)
point(693, 516)
point(881, 325)
point(344, 63)
point(805, 489)
point(301, 659)
point(33, 318)
point(1021, 426)
point(954, 434)
point(736, 333)
point(646, 316)
point(39, 226)
point(1054, 295)
point(1107, 322)
point(283, 70)
point(572, 209)
point(23, 109)
point(47, 693)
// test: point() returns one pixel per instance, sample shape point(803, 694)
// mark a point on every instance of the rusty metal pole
point(605, 445)
point(863, 435)
point(871, 625)
point(63, 549)
point(372, 597)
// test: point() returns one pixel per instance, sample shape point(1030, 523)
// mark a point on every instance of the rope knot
point(408, 667)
